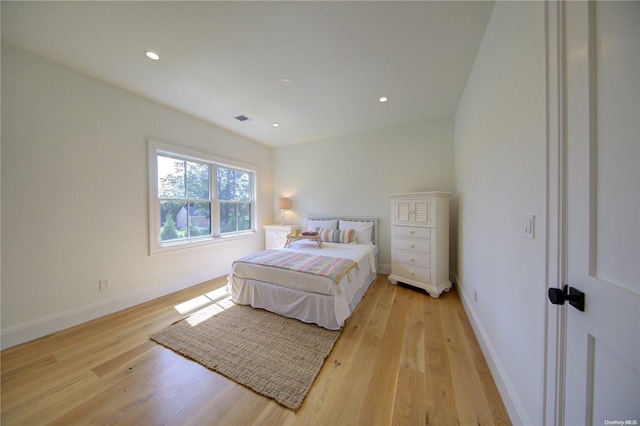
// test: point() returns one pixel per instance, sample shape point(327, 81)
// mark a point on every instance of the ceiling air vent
point(242, 118)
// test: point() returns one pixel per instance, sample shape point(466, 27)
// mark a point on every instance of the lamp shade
point(284, 203)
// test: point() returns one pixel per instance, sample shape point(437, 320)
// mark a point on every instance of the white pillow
point(364, 230)
point(312, 224)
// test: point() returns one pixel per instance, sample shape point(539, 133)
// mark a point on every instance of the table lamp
point(283, 204)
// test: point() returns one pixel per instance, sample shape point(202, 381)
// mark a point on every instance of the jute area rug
point(275, 356)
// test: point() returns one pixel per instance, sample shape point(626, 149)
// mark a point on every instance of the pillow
point(363, 229)
point(312, 224)
point(342, 236)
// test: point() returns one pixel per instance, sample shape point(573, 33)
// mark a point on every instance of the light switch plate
point(528, 226)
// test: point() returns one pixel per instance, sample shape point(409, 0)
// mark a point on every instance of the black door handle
point(575, 297)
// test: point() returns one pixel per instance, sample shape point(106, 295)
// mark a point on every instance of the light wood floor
point(403, 358)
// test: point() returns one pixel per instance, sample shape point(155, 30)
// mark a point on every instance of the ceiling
point(219, 60)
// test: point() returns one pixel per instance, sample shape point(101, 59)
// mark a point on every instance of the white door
point(602, 245)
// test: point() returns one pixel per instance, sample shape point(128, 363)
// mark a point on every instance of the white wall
point(75, 197)
point(75, 191)
point(352, 175)
point(500, 172)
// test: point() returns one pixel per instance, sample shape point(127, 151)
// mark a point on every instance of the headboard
point(374, 234)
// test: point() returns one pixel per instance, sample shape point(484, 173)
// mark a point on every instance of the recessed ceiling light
point(275, 125)
point(383, 99)
point(152, 55)
point(287, 81)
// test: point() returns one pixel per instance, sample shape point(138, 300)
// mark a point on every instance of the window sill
point(201, 242)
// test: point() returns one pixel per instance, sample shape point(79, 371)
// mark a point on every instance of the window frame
point(156, 245)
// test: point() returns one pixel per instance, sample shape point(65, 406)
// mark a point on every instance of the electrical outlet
point(475, 296)
point(104, 284)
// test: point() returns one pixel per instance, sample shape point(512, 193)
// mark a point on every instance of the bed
point(346, 267)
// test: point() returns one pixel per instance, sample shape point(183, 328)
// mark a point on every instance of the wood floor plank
point(119, 360)
point(498, 410)
point(471, 402)
point(44, 406)
point(273, 414)
point(409, 398)
point(379, 397)
point(206, 408)
point(402, 358)
point(123, 390)
point(412, 355)
point(440, 397)
point(244, 410)
point(378, 321)
point(344, 372)
point(28, 369)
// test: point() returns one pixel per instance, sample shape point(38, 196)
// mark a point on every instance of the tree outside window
point(234, 193)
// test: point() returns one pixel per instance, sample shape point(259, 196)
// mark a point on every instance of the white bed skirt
point(327, 311)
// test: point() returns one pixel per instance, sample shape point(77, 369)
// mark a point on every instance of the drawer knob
point(412, 232)
point(412, 259)
point(411, 273)
point(412, 246)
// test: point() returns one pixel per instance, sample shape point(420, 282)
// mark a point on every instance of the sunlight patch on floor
point(211, 310)
point(195, 303)
point(218, 294)
point(214, 296)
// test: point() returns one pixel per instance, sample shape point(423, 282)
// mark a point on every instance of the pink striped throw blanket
point(334, 268)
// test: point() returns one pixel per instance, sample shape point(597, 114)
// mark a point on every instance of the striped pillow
point(343, 236)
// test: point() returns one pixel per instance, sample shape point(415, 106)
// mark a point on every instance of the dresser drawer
point(273, 234)
point(409, 271)
point(412, 258)
point(272, 243)
point(412, 232)
point(413, 244)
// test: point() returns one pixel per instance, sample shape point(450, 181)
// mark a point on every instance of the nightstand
point(276, 235)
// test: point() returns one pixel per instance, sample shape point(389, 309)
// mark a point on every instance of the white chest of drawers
point(275, 236)
point(420, 241)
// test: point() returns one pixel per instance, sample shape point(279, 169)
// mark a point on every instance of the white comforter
point(361, 254)
point(243, 277)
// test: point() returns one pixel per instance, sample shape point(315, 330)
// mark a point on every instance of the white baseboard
point(509, 396)
point(384, 268)
point(44, 326)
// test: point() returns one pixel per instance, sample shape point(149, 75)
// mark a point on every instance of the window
point(196, 199)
